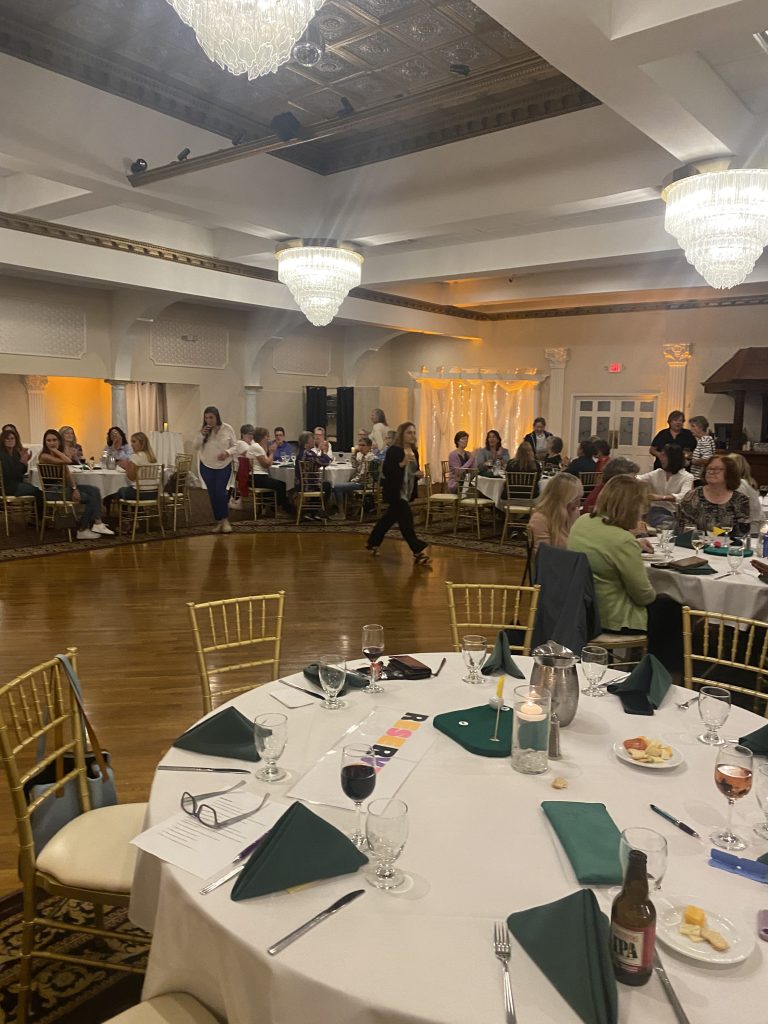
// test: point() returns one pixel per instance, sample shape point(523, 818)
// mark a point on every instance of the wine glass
point(270, 734)
point(387, 831)
point(594, 662)
point(358, 780)
point(373, 648)
point(735, 557)
point(714, 708)
point(332, 669)
point(698, 540)
point(666, 541)
point(761, 792)
point(653, 845)
point(474, 650)
point(733, 777)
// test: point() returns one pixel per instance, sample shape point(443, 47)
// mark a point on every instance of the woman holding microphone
point(217, 446)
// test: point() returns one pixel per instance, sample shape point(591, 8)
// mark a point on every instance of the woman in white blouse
point(217, 445)
point(705, 444)
point(668, 485)
point(750, 487)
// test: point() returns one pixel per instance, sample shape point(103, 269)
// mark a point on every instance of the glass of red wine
point(733, 777)
point(373, 648)
point(358, 780)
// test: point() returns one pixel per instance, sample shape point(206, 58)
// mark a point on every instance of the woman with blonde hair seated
point(556, 511)
point(142, 455)
point(750, 487)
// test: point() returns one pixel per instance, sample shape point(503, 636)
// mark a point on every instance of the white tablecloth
point(166, 444)
point(479, 848)
point(492, 487)
point(742, 595)
point(336, 473)
point(107, 481)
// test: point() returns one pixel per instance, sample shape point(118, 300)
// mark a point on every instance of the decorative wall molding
point(557, 357)
point(307, 358)
point(29, 327)
point(677, 354)
point(189, 343)
point(525, 373)
point(35, 384)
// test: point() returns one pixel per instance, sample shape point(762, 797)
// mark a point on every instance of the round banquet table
point(166, 444)
point(106, 481)
point(335, 473)
point(478, 849)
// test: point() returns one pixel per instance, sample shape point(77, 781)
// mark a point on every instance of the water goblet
point(474, 650)
point(733, 777)
point(594, 662)
point(373, 648)
point(270, 733)
point(761, 792)
point(653, 845)
point(358, 780)
point(735, 557)
point(387, 831)
point(714, 708)
point(698, 540)
point(332, 669)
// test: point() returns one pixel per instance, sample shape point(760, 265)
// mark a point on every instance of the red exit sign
point(615, 367)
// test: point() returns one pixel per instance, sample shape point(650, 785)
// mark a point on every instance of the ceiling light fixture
point(319, 275)
point(310, 48)
point(720, 219)
point(252, 37)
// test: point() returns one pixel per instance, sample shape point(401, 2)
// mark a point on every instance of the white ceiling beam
point(655, 29)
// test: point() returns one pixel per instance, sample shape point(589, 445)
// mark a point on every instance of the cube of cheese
point(695, 915)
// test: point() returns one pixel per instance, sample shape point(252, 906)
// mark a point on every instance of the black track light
point(346, 108)
point(138, 166)
point(184, 154)
point(459, 69)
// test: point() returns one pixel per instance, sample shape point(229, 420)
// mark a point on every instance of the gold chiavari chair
point(489, 607)
point(14, 504)
point(234, 637)
point(364, 497)
point(520, 491)
point(439, 505)
point(264, 500)
point(310, 494)
point(177, 500)
point(590, 481)
point(446, 473)
point(473, 504)
point(90, 859)
point(148, 503)
point(728, 651)
point(55, 502)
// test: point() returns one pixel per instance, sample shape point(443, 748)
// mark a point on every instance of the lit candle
point(165, 425)
point(530, 712)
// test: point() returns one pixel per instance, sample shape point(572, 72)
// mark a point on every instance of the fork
point(687, 703)
point(502, 950)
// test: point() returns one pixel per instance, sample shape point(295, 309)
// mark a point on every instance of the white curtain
point(448, 406)
point(145, 404)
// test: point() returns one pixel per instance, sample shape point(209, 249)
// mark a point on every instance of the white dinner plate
point(669, 914)
point(650, 556)
point(620, 751)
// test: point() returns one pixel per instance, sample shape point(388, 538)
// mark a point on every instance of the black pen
point(439, 668)
point(679, 824)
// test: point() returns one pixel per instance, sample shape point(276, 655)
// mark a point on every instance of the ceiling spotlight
point(346, 108)
point(459, 69)
point(238, 139)
point(286, 126)
point(308, 50)
point(138, 166)
point(184, 154)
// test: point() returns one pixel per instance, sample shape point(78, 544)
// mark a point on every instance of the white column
point(677, 357)
point(119, 406)
point(36, 386)
point(556, 358)
point(251, 395)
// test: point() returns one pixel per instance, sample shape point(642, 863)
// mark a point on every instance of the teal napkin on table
point(590, 839)
point(569, 941)
point(472, 729)
point(690, 570)
point(501, 659)
point(757, 741)
point(644, 688)
point(226, 734)
point(683, 540)
point(354, 679)
point(299, 848)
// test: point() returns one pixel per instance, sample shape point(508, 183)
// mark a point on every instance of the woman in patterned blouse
point(717, 502)
point(705, 444)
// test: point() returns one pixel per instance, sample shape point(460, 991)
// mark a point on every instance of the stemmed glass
point(666, 539)
point(270, 733)
point(735, 557)
point(373, 648)
point(358, 780)
point(653, 845)
point(733, 777)
point(714, 708)
point(387, 831)
point(474, 650)
point(761, 792)
point(594, 662)
point(332, 669)
point(698, 540)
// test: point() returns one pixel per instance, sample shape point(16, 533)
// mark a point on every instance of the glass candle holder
point(530, 729)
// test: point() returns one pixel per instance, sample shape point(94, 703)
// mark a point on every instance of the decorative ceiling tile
point(379, 48)
point(417, 72)
point(322, 104)
point(368, 89)
point(470, 13)
point(331, 65)
point(426, 29)
point(501, 39)
point(381, 8)
point(468, 51)
point(335, 23)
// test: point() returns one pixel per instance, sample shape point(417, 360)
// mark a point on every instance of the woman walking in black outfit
point(400, 474)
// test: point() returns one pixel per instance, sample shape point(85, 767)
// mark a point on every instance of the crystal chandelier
point(252, 37)
point(319, 275)
point(720, 218)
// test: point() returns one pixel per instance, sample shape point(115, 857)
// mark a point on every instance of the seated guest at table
point(668, 485)
point(457, 460)
point(14, 465)
point(381, 454)
point(705, 444)
point(750, 487)
point(556, 510)
point(718, 502)
point(379, 429)
point(307, 453)
point(524, 461)
point(492, 455)
point(254, 465)
point(280, 449)
point(538, 438)
point(673, 433)
point(584, 461)
point(320, 443)
point(117, 444)
point(553, 459)
point(618, 466)
point(364, 459)
point(141, 455)
point(90, 525)
point(217, 445)
point(602, 453)
point(72, 449)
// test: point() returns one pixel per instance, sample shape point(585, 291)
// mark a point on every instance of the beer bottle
point(633, 925)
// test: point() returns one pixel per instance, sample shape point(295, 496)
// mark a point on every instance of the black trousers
point(398, 513)
point(665, 632)
point(269, 483)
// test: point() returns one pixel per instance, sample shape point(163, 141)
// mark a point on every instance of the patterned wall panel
point(188, 343)
point(302, 356)
point(32, 328)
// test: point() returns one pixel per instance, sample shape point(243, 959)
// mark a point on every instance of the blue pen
point(678, 824)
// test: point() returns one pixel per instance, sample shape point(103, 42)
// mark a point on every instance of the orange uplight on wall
point(615, 367)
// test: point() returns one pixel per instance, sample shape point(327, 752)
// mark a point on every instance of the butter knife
point(674, 1002)
point(301, 689)
point(322, 916)
point(189, 768)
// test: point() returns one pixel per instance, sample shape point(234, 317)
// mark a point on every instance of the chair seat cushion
point(481, 502)
point(517, 508)
point(93, 851)
point(175, 1008)
point(620, 639)
point(443, 497)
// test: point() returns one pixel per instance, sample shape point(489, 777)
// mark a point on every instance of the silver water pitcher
point(554, 669)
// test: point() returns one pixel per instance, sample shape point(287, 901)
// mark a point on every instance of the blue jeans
point(217, 482)
point(23, 489)
point(90, 499)
point(340, 492)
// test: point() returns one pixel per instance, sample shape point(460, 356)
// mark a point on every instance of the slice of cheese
point(695, 915)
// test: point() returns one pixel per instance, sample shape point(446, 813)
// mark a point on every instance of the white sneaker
point(87, 535)
point(103, 529)
point(226, 527)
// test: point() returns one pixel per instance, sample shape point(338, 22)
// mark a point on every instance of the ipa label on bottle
point(633, 948)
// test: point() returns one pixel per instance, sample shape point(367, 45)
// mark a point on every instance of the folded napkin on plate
point(475, 734)
point(683, 540)
point(354, 679)
point(644, 688)
point(757, 741)
point(299, 848)
point(501, 659)
point(590, 839)
point(569, 941)
point(226, 734)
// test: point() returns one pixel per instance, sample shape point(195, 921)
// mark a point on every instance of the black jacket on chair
point(567, 610)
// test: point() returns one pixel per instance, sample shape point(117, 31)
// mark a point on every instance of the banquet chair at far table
point(473, 504)
point(55, 501)
point(311, 492)
point(173, 1008)
point(590, 481)
point(520, 491)
point(90, 859)
point(177, 499)
point(439, 505)
point(232, 638)
point(727, 651)
point(17, 504)
point(490, 607)
point(148, 503)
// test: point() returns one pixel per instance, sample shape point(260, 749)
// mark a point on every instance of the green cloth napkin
point(746, 553)
point(501, 660)
point(299, 848)
point(354, 679)
point(475, 734)
point(226, 734)
point(757, 741)
point(644, 688)
point(683, 540)
point(569, 941)
point(589, 838)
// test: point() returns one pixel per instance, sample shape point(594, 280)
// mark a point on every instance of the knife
point(674, 1002)
point(230, 872)
point(189, 768)
point(303, 929)
point(294, 686)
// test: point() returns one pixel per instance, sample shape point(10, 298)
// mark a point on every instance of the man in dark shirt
point(584, 461)
point(673, 434)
